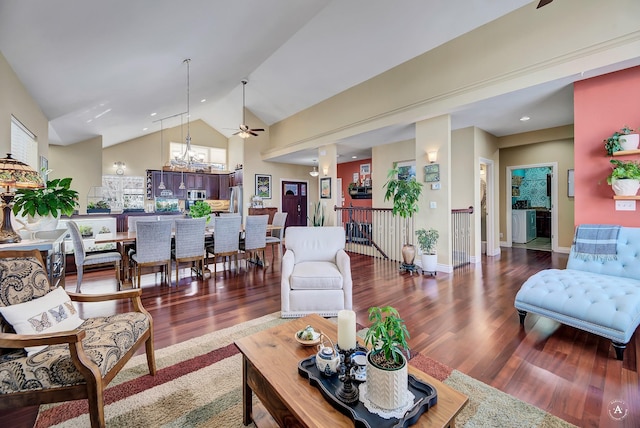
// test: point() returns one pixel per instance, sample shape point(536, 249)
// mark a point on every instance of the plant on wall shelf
point(612, 144)
point(624, 170)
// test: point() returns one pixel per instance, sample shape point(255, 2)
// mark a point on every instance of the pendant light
point(188, 139)
point(314, 172)
point(182, 186)
point(161, 186)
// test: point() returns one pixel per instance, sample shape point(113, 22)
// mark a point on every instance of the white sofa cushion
point(315, 243)
point(315, 276)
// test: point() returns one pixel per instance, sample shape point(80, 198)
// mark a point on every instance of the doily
point(397, 413)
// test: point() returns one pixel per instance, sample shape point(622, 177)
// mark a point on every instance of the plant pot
point(408, 254)
point(429, 262)
point(629, 142)
point(625, 187)
point(386, 388)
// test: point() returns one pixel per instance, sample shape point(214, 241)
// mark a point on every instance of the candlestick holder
point(347, 392)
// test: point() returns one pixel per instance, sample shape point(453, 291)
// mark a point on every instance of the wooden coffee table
point(270, 370)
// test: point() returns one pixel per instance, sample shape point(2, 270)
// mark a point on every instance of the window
point(216, 157)
point(24, 145)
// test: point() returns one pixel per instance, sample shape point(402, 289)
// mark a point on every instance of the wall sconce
point(325, 171)
point(432, 156)
point(119, 167)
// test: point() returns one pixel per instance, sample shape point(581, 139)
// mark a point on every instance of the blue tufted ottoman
point(601, 297)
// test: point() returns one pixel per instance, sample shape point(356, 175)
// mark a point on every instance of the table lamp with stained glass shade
point(18, 175)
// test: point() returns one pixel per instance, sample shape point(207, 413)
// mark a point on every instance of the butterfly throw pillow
point(50, 313)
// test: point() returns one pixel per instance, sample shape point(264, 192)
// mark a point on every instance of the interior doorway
point(531, 206)
point(487, 215)
point(294, 202)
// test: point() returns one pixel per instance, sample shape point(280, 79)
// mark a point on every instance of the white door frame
point(492, 248)
point(554, 201)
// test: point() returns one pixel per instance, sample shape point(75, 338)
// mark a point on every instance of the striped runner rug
point(198, 384)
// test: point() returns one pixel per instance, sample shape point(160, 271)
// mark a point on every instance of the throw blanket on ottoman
point(598, 292)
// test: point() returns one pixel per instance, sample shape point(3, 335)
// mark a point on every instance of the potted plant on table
point(200, 209)
point(626, 139)
point(625, 177)
point(42, 208)
point(387, 376)
point(427, 240)
point(405, 194)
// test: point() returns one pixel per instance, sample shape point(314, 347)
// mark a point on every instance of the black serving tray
point(361, 417)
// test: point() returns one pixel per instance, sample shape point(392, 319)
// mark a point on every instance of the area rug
point(178, 397)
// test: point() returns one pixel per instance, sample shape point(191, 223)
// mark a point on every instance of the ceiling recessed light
point(144, 129)
point(153, 114)
point(203, 100)
point(354, 157)
point(524, 118)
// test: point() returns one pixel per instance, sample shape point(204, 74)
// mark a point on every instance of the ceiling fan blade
point(253, 133)
point(543, 3)
point(258, 130)
point(236, 133)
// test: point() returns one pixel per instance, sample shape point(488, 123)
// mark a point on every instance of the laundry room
point(531, 207)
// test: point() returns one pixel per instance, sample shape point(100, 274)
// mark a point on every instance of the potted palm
point(43, 207)
point(405, 194)
point(387, 376)
point(625, 177)
point(427, 240)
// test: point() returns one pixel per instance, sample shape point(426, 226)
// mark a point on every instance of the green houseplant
point(200, 209)
point(624, 177)
point(405, 194)
point(318, 215)
point(387, 377)
point(98, 207)
point(55, 199)
point(427, 240)
point(618, 141)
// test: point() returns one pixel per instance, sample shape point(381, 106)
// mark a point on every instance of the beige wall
point(144, 152)
point(465, 70)
point(382, 160)
point(81, 162)
point(486, 148)
point(16, 101)
point(558, 150)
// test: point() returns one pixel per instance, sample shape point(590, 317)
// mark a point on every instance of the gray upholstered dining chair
point(255, 237)
point(189, 243)
point(153, 247)
point(277, 235)
point(226, 239)
point(82, 259)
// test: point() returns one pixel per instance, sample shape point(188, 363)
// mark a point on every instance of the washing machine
point(523, 226)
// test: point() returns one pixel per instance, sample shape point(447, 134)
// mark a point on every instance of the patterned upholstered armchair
point(66, 357)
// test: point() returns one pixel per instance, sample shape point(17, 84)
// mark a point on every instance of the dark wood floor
point(465, 320)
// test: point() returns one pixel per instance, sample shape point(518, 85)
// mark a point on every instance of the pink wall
point(602, 105)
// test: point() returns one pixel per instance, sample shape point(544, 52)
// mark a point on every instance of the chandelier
point(184, 161)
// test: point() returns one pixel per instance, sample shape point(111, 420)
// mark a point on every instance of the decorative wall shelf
point(627, 152)
point(627, 198)
point(361, 192)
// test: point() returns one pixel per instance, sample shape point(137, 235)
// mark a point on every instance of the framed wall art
point(406, 169)
point(365, 169)
point(431, 173)
point(263, 186)
point(325, 188)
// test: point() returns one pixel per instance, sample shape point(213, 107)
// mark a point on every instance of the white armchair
point(316, 272)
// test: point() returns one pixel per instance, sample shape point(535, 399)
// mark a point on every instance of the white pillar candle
point(346, 329)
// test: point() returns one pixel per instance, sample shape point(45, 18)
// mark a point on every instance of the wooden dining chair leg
point(117, 263)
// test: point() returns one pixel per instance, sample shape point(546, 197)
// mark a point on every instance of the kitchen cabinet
point(195, 181)
point(213, 186)
point(224, 183)
point(543, 224)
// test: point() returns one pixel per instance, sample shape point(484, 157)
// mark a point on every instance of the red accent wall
point(345, 171)
point(602, 105)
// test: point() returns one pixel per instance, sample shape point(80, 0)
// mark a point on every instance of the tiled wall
point(533, 187)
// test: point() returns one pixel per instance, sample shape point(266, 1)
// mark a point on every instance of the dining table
point(124, 241)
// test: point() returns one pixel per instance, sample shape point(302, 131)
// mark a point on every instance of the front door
point(294, 202)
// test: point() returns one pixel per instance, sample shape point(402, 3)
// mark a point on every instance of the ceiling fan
point(543, 3)
point(244, 131)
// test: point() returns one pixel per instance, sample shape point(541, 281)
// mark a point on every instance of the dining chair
point(277, 235)
point(189, 243)
point(226, 239)
point(255, 237)
point(82, 259)
point(153, 247)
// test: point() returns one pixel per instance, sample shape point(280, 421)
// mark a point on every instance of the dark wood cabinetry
point(215, 185)
point(543, 224)
point(261, 211)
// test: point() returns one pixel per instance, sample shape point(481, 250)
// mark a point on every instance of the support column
point(328, 168)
